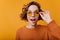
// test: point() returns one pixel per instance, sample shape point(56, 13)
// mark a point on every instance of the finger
point(42, 13)
point(48, 13)
point(42, 16)
point(45, 11)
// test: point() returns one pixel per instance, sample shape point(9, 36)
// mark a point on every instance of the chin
point(33, 24)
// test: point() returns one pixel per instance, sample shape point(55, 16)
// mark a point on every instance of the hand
point(46, 16)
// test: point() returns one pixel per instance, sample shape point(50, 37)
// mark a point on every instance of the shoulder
point(42, 27)
point(20, 30)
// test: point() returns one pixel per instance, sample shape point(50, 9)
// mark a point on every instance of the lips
point(32, 19)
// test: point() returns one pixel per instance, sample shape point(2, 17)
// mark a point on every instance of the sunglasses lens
point(36, 14)
point(30, 14)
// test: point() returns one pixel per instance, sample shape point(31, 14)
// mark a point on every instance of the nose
point(33, 14)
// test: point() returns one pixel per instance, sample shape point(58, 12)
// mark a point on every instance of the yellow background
point(10, 20)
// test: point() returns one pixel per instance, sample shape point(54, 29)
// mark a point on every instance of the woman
point(32, 13)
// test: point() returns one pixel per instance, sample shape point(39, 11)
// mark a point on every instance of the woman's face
point(32, 14)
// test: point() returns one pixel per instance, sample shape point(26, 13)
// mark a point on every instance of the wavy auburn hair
point(25, 9)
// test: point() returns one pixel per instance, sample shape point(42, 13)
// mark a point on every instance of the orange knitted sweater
point(41, 32)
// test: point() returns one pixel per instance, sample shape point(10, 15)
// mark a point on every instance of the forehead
point(33, 8)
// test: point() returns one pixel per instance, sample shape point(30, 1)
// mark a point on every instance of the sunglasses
point(35, 14)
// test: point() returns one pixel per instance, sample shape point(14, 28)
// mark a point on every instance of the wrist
point(49, 21)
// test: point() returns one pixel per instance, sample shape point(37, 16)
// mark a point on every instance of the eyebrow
point(34, 11)
point(28, 11)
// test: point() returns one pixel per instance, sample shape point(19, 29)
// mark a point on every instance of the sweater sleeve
point(53, 30)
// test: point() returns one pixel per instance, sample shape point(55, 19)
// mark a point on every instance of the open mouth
point(32, 19)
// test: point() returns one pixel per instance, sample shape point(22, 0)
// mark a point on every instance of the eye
point(36, 13)
point(29, 14)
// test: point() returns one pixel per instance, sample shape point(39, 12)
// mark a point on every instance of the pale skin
point(45, 15)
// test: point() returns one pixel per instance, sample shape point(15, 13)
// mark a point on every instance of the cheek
point(28, 18)
point(37, 17)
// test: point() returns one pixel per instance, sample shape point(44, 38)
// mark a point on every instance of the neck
point(31, 26)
